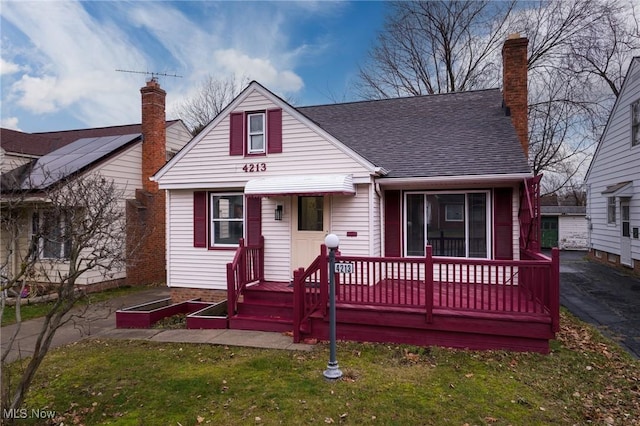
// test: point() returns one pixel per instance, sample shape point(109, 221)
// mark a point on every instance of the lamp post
point(332, 372)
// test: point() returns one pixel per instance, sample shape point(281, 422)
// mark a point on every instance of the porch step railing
point(310, 292)
point(247, 267)
point(528, 286)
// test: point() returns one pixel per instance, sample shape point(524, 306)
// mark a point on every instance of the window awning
point(301, 185)
point(622, 189)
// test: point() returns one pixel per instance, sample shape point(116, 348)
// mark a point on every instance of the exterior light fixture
point(279, 211)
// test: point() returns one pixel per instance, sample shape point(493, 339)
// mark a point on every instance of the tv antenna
point(154, 75)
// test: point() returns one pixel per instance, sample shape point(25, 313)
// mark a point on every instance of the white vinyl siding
point(188, 266)
point(351, 214)
point(615, 161)
point(304, 152)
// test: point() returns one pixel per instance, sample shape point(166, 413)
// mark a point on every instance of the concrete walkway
point(99, 321)
point(604, 296)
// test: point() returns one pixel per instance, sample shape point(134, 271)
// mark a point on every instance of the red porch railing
point(310, 292)
point(247, 267)
point(516, 287)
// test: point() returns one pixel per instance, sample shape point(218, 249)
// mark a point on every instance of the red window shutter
point(503, 223)
point(274, 131)
point(253, 220)
point(392, 224)
point(200, 219)
point(236, 133)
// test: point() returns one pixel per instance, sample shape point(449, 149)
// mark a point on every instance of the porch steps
point(265, 309)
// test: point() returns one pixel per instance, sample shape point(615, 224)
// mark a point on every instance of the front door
point(625, 237)
point(310, 226)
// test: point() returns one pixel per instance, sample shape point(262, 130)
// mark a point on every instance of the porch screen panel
point(415, 225)
point(477, 218)
point(446, 224)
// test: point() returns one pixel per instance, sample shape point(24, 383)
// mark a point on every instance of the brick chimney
point(514, 85)
point(146, 218)
point(154, 132)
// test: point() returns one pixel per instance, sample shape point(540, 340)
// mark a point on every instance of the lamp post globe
point(332, 241)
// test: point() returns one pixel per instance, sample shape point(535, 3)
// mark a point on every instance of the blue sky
point(58, 59)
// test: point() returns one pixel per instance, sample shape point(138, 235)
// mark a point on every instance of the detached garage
point(564, 227)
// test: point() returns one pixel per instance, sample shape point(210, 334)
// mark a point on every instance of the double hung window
point(256, 133)
point(227, 218)
point(611, 210)
point(52, 234)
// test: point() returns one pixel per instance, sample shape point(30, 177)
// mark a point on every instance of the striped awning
point(301, 185)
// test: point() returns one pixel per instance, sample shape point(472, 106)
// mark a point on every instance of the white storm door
point(625, 235)
point(310, 226)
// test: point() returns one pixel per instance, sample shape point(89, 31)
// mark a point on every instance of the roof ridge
point(401, 98)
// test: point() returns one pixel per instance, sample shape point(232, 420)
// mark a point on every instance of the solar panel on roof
point(73, 157)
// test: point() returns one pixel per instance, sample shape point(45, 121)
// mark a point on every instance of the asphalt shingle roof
point(456, 134)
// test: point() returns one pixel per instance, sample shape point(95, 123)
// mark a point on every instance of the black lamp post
point(332, 372)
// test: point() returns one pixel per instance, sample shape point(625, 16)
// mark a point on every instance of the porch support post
point(332, 372)
point(428, 280)
point(298, 303)
point(324, 278)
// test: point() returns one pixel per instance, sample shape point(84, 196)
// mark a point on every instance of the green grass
point(584, 379)
point(36, 310)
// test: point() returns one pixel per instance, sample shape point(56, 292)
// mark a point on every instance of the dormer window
point(255, 132)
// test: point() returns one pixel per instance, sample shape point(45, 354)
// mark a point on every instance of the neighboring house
point(564, 227)
point(613, 181)
point(260, 187)
point(129, 155)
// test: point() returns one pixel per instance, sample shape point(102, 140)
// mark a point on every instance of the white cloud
point(261, 70)
point(7, 67)
point(72, 49)
point(9, 123)
point(76, 66)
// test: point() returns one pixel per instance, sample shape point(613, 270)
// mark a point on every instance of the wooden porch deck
point(494, 318)
point(455, 302)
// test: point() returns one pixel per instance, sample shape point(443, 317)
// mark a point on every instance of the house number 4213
point(255, 167)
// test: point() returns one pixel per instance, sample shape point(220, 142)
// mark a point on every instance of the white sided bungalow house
point(613, 181)
point(252, 197)
point(35, 163)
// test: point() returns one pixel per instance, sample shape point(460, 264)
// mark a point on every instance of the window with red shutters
point(200, 219)
point(240, 130)
point(392, 224)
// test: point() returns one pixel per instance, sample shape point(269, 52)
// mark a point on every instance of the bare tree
point(578, 52)
point(212, 96)
point(431, 47)
point(70, 229)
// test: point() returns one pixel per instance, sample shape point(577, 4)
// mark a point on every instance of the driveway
point(607, 297)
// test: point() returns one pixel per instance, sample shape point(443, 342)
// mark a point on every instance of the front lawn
point(586, 379)
point(36, 310)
